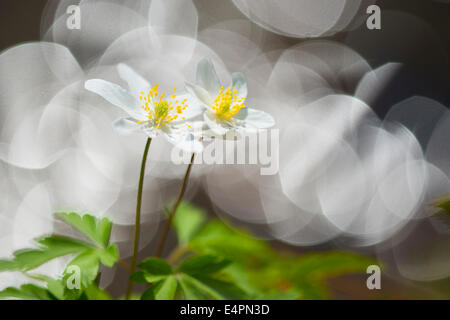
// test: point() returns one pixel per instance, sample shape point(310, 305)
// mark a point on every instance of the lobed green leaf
point(164, 289)
point(26, 292)
point(203, 264)
point(97, 230)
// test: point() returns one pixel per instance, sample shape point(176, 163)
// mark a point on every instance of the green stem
point(162, 240)
point(177, 254)
point(137, 224)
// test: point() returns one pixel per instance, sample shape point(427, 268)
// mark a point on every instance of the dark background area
point(20, 19)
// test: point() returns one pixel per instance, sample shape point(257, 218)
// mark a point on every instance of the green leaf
point(59, 289)
point(330, 264)
point(88, 256)
point(153, 270)
point(222, 289)
point(256, 269)
point(193, 290)
point(312, 289)
point(310, 270)
point(49, 248)
point(203, 264)
point(240, 275)
point(98, 230)
point(217, 238)
point(207, 288)
point(261, 271)
point(109, 256)
point(444, 205)
point(139, 277)
point(88, 263)
point(26, 292)
point(6, 265)
point(188, 222)
point(93, 292)
point(155, 267)
point(162, 290)
point(56, 288)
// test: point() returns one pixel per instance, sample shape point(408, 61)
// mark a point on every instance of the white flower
point(225, 108)
point(149, 110)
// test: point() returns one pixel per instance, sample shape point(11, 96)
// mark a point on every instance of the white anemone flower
point(225, 108)
point(150, 111)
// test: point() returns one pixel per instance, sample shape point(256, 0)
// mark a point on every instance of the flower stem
point(137, 224)
point(177, 254)
point(162, 240)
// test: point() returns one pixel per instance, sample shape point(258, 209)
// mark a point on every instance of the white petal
point(198, 128)
point(185, 142)
point(136, 83)
point(201, 94)
point(206, 77)
point(255, 118)
point(239, 83)
point(214, 125)
point(194, 109)
point(126, 125)
point(116, 95)
point(151, 132)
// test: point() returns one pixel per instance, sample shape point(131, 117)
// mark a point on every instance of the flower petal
point(215, 126)
point(197, 128)
point(201, 94)
point(206, 77)
point(136, 83)
point(239, 83)
point(116, 95)
point(126, 125)
point(185, 142)
point(255, 119)
point(194, 108)
point(150, 131)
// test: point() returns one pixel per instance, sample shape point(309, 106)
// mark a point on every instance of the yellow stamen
point(226, 105)
point(161, 111)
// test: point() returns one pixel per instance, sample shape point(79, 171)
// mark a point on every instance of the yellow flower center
point(161, 110)
point(226, 105)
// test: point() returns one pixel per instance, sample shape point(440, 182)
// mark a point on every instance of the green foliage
point(219, 262)
point(444, 205)
point(97, 230)
point(26, 292)
point(163, 289)
point(208, 287)
point(202, 275)
point(264, 273)
point(329, 264)
point(49, 248)
point(58, 289)
point(212, 261)
point(93, 292)
point(197, 276)
point(203, 265)
point(88, 256)
point(188, 224)
point(152, 270)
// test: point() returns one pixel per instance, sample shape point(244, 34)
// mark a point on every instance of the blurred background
point(363, 119)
